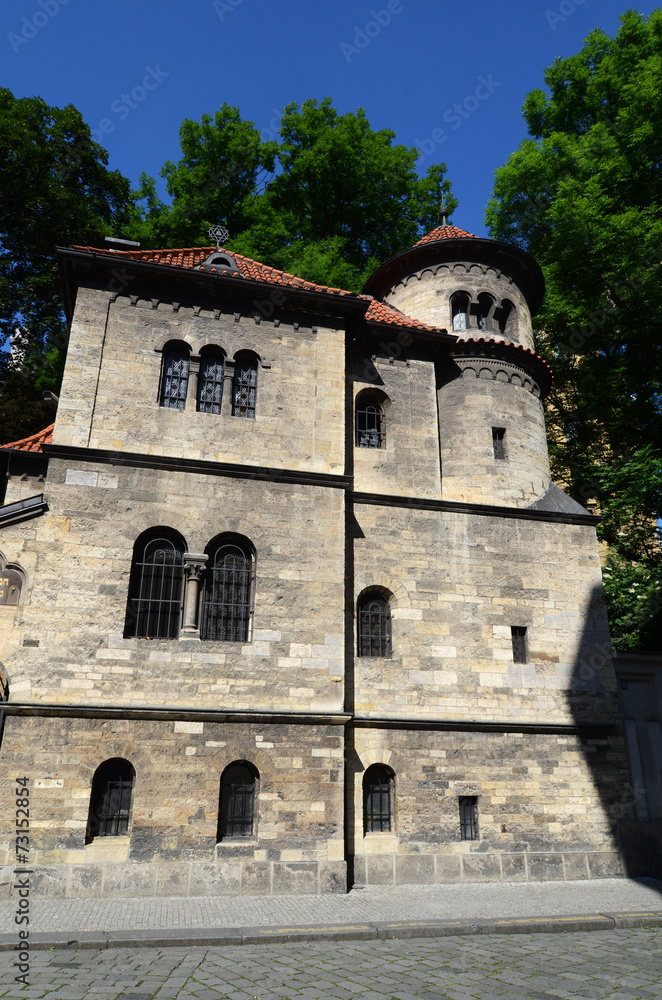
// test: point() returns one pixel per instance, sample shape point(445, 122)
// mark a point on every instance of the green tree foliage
point(583, 194)
point(328, 202)
point(55, 190)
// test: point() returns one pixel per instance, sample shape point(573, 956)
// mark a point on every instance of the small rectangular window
point(469, 817)
point(498, 434)
point(518, 634)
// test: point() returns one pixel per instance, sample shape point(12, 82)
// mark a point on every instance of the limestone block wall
point(171, 847)
point(409, 463)
point(110, 394)
point(65, 642)
point(426, 295)
point(547, 806)
point(458, 583)
point(471, 404)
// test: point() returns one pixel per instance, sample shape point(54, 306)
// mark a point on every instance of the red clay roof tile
point(445, 233)
point(34, 442)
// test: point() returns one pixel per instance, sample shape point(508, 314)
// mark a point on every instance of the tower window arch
point(374, 624)
point(460, 310)
point(227, 600)
point(174, 376)
point(484, 311)
point(110, 801)
point(370, 420)
point(244, 386)
point(378, 783)
point(156, 585)
point(506, 317)
point(210, 381)
point(238, 798)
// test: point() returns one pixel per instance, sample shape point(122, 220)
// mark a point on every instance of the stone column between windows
point(194, 567)
point(193, 377)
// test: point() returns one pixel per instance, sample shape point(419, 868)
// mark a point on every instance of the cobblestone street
point(602, 965)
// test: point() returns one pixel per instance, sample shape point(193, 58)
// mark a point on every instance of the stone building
point(290, 601)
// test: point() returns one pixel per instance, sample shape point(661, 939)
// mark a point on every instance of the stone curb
point(378, 930)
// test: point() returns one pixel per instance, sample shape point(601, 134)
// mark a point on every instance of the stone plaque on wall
point(10, 586)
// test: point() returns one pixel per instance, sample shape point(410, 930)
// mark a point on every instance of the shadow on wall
point(593, 701)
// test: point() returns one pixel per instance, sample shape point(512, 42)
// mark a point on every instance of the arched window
point(236, 814)
point(374, 625)
point(210, 382)
point(485, 311)
point(460, 310)
point(227, 602)
point(370, 423)
point(244, 386)
point(377, 799)
point(156, 585)
point(110, 801)
point(506, 317)
point(174, 376)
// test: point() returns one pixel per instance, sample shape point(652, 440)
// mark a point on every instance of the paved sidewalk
point(374, 911)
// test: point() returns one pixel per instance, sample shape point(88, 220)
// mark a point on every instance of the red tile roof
point(445, 233)
point(34, 442)
point(195, 257)
point(490, 342)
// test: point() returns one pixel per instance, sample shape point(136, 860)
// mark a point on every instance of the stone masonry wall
point(111, 386)
point(425, 295)
point(469, 407)
point(458, 583)
point(547, 806)
point(171, 847)
point(65, 643)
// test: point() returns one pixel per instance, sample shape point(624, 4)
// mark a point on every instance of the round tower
point(490, 383)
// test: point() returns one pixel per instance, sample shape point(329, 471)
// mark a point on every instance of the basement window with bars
point(498, 435)
point(518, 636)
point(469, 817)
point(110, 801)
point(236, 820)
point(377, 799)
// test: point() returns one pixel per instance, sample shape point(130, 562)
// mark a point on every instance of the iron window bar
point(174, 382)
point(469, 817)
point(370, 429)
point(374, 627)
point(244, 389)
point(115, 809)
point(210, 385)
point(377, 801)
point(156, 604)
point(227, 604)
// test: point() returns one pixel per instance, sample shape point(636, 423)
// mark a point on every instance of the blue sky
point(407, 62)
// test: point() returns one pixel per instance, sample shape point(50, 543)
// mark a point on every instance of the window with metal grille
point(498, 435)
point(174, 378)
point(469, 817)
point(484, 312)
point(244, 387)
point(210, 384)
point(237, 806)
point(377, 788)
point(374, 625)
point(370, 424)
point(110, 801)
point(228, 591)
point(518, 635)
point(460, 310)
point(155, 588)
